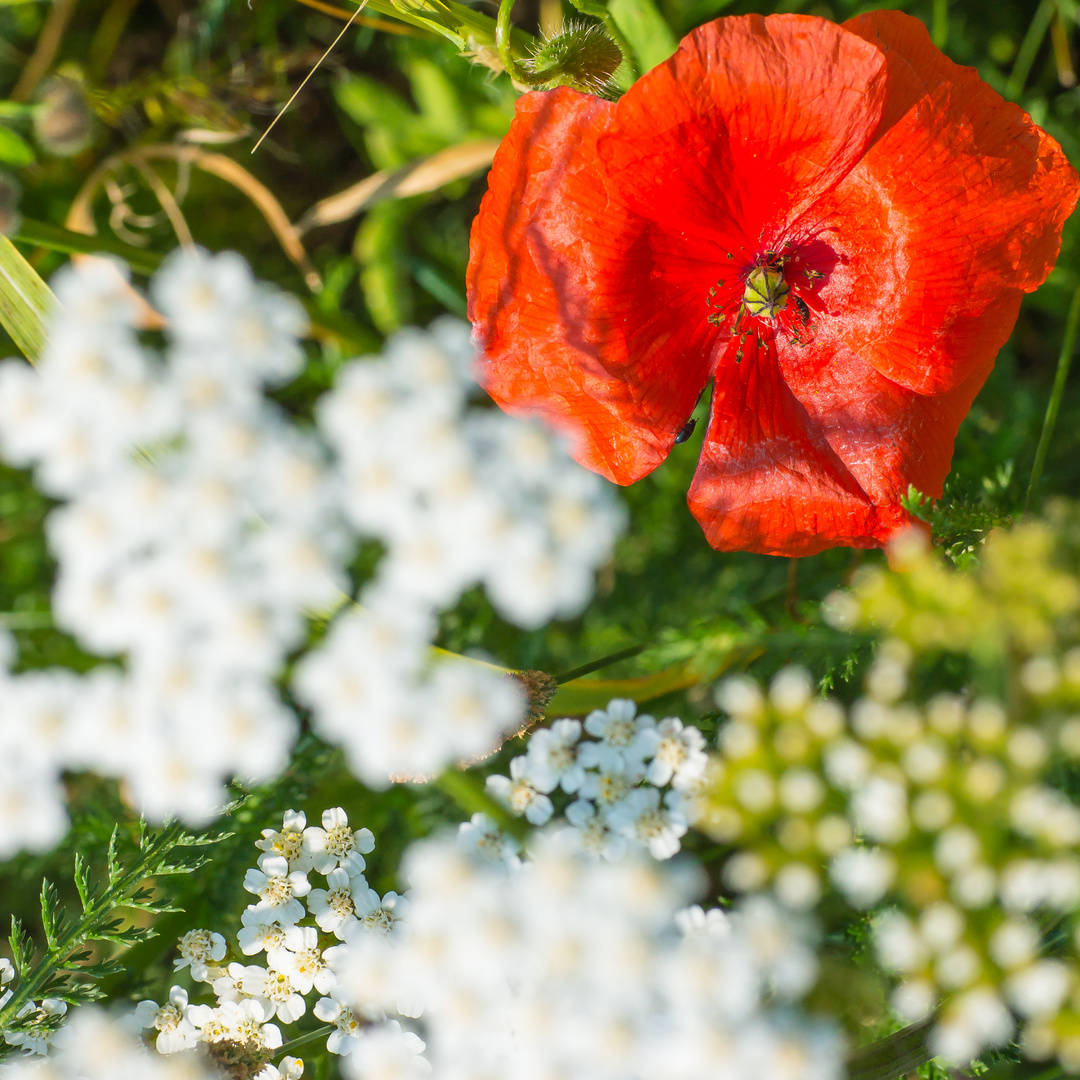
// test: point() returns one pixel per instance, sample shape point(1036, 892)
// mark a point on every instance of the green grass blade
point(55, 238)
point(25, 301)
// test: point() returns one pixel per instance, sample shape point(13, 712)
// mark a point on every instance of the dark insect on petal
point(686, 431)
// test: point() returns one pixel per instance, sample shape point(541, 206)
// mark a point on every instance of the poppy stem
point(1068, 347)
point(1029, 48)
point(503, 30)
point(596, 665)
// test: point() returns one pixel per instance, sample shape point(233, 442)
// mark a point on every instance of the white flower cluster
point(36, 1026)
point(615, 778)
point(572, 967)
point(200, 528)
point(195, 533)
point(458, 496)
point(940, 812)
point(297, 927)
point(94, 1046)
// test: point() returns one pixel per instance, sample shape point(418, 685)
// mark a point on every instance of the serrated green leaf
point(19, 943)
point(131, 935)
point(114, 855)
point(202, 839)
point(82, 993)
point(50, 915)
point(101, 969)
point(14, 149)
point(83, 880)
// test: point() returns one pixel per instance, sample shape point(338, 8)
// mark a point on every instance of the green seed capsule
point(766, 292)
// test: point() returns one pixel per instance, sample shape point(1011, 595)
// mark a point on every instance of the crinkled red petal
point(768, 481)
point(887, 436)
point(951, 216)
point(569, 317)
point(745, 126)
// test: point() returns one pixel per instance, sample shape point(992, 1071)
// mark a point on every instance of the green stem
point(502, 38)
point(303, 1040)
point(1029, 47)
point(53, 237)
point(1068, 345)
point(603, 662)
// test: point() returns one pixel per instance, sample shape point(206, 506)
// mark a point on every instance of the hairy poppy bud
point(62, 119)
point(581, 56)
point(10, 218)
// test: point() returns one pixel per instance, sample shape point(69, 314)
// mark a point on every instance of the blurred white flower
point(551, 760)
point(200, 527)
point(863, 875)
point(388, 1053)
point(519, 793)
point(482, 839)
point(567, 966)
point(641, 817)
point(96, 1046)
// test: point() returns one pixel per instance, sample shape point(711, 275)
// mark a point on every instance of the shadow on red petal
point(767, 480)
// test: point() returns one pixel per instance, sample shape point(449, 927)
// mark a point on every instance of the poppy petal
point(752, 117)
point(950, 217)
point(915, 65)
point(563, 299)
point(768, 480)
point(887, 436)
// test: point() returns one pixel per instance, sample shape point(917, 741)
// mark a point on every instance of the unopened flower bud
point(581, 56)
point(10, 191)
point(63, 121)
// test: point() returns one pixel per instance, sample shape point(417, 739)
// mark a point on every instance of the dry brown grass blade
point(48, 44)
point(416, 178)
point(80, 217)
point(168, 203)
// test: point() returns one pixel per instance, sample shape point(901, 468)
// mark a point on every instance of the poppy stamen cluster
point(773, 293)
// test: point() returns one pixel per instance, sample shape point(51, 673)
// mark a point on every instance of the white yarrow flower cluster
point(196, 532)
point(569, 966)
point(615, 779)
point(458, 496)
point(199, 528)
point(296, 925)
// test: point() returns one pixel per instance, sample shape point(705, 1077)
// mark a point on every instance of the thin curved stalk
point(1029, 47)
point(1068, 347)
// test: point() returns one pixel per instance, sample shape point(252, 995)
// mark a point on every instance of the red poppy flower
point(835, 224)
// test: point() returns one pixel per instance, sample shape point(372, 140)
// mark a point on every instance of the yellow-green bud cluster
point(945, 816)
